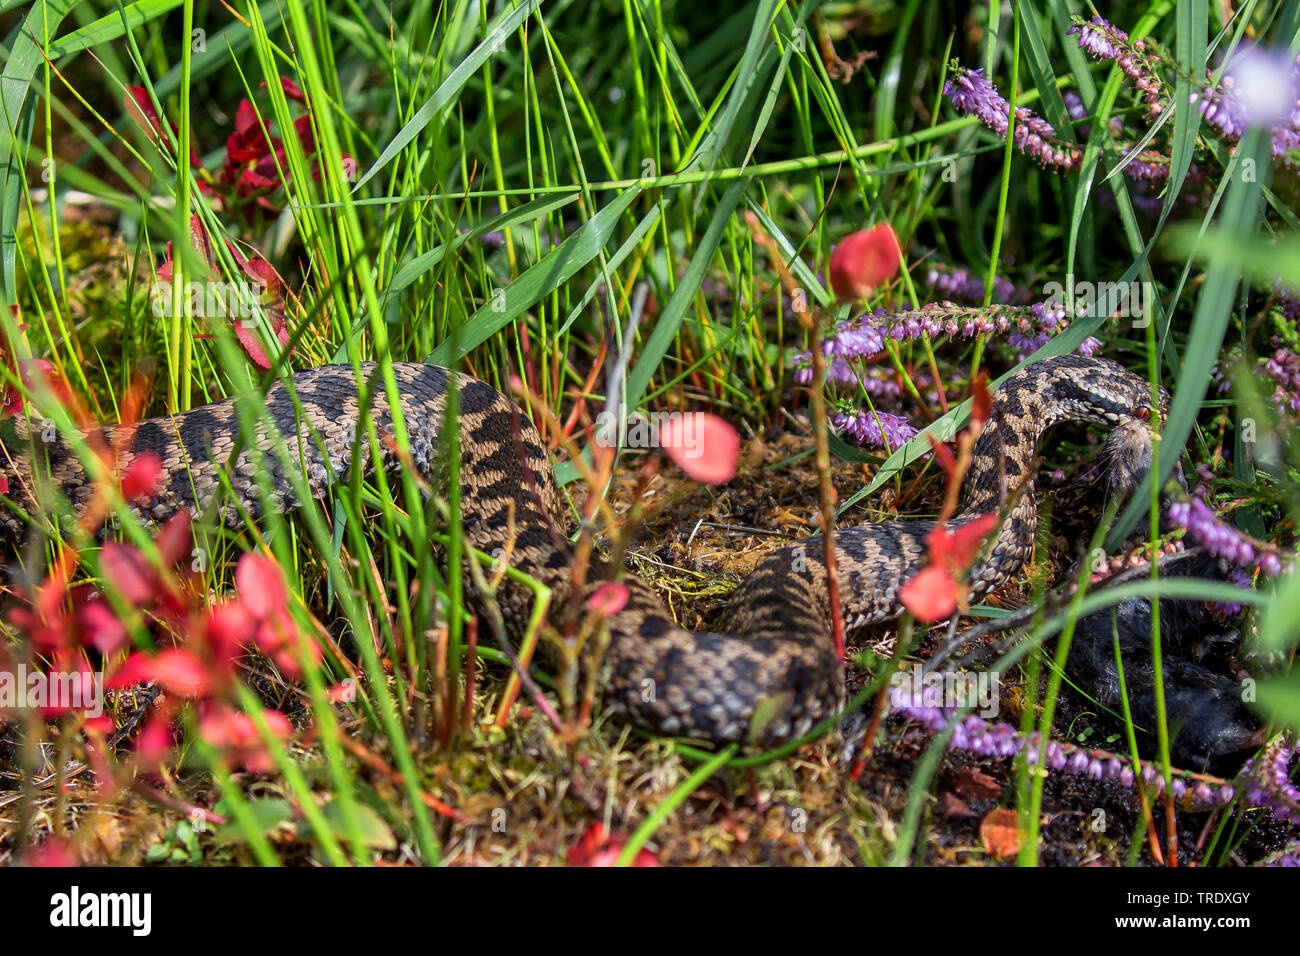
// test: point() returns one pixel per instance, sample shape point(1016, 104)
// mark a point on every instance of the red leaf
point(260, 586)
point(944, 456)
point(956, 550)
point(306, 135)
point(344, 692)
point(932, 594)
point(228, 630)
point(291, 89)
point(52, 851)
point(155, 741)
point(863, 261)
point(199, 240)
point(597, 847)
point(143, 477)
point(702, 445)
point(126, 571)
point(235, 733)
point(1000, 833)
point(609, 598)
point(174, 539)
point(178, 671)
point(140, 108)
point(102, 629)
point(981, 401)
point(29, 371)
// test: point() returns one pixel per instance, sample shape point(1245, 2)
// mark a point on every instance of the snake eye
point(1144, 413)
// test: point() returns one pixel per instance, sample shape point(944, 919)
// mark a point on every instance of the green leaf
point(1210, 320)
point(539, 280)
point(842, 449)
point(665, 330)
point(449, 90)
point(1279, 625)
point(269, 812)
point(24, 57)
point(111, 26)
point(529, 211)
point(374, 832)
point(1280, 698)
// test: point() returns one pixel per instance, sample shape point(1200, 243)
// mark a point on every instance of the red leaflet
point(702, 445)
point(52, 851)
point(936, 591)
point(344, 692)
point(260, 588)
point(981, 406)
point(958, 549)
point(943, 454)
point(28, 370)
point(235, 734)
point(176, 669)
point(143, 477)
point(262, 593)
point(126, 571)
point(609, 598)
point(265, 282)
point(597, 847)
point(140, 108)
point(863, 261)
point(932, 595)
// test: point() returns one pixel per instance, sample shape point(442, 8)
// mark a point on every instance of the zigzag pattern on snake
point(774, 647)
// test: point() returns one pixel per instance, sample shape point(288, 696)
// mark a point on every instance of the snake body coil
point(774, 653)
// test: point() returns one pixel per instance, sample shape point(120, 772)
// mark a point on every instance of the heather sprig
point(1027, 327)
point(957, 284)
point(971, 93)
point(1283, 367)
point(1220, 539)
point(873, 427)
point(1265, 783)
point(1105, 41)
point(983, 738)
point(1259, 87)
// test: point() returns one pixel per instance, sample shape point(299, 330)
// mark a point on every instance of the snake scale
point(774, 652)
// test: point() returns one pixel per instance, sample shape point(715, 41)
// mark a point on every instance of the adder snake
point(774, 651)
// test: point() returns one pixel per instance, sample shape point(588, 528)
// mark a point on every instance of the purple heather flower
point(951, 282)
point(1154, 168)
point(1289, 300)
point(1260, 88)
point(875, 428)
point(854, 339)
point(976, 735)
point(1263, 83)
point(1108, 42)
point(1221, 112)
point(1284, 369)
point(1100, 39)
point(1241, 578)
point(1220, 539)
point(971, 93)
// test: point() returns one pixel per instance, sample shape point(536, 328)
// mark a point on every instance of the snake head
point(1106, 393)
point(1130, 450)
